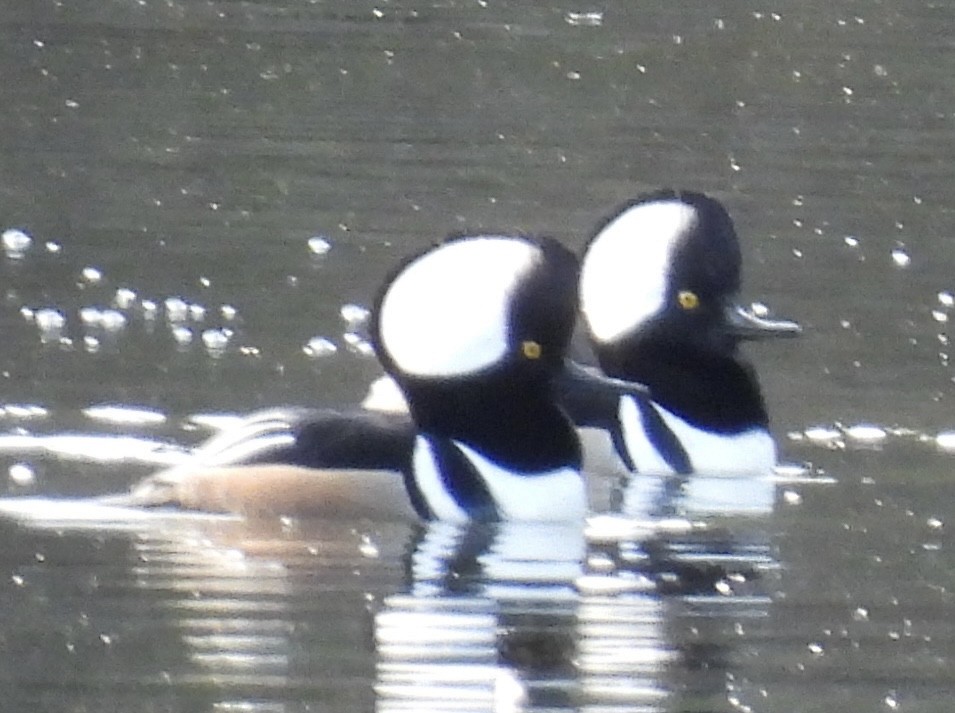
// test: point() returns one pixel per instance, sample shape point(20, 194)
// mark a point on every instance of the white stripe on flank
point(241, 452)
point(431, 486)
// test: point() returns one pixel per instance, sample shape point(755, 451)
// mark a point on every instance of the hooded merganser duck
point(658, 286)
point(474, 332)
point(657, 290)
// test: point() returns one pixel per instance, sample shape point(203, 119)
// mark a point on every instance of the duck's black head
point(474, 331)
point(659, 282)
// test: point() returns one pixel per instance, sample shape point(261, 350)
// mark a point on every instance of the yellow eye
point(531, 349)
point(687, 299)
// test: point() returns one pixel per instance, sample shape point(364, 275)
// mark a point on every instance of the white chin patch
point(448, 312)
point(623, 278)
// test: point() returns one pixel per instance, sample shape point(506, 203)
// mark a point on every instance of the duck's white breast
point(751, 452)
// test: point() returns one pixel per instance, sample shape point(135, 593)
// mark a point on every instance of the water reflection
point(514, 586)
point(166, 168)
point(698, 496)
point(267, 612)
point(624, 614)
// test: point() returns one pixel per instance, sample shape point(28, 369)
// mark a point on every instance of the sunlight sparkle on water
point(50, 322)
point(584, 19)
point(900, 258)
point(791, 497)
point(319, 245)
point(128, 415)
point(110, 320)
point(318, 347)
point(23, 411)
point(354, 315)
point(15, 243)
point(21, 474)
point(124, 298)
point(759, 309)
point(91, 275)
point(177, 309)
point(866, 434)
point(820, 435)
point(358, 344)
point(216, 340)
point(182, 335)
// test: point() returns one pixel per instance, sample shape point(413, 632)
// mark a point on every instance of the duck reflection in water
point(540, 616)
point(493, 616)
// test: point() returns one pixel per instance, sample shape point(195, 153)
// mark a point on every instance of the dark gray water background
point(192, 149)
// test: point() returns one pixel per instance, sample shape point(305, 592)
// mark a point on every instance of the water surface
point(172, 163)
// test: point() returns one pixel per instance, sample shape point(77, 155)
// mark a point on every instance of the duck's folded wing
point(292, 461)
point(315, 438)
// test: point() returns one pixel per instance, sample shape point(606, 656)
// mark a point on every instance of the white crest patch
point(751, 452)
point(623, 278)
point(447, 313)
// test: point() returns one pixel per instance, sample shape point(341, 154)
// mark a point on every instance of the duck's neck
point(713, 392)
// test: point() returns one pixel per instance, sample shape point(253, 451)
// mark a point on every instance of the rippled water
point(198, 200)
